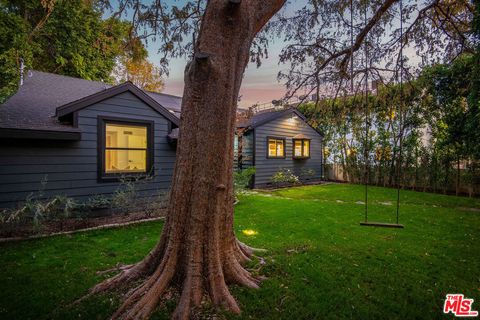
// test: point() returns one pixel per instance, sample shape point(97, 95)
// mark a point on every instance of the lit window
point(301, 148)
point(125, 148)
point(276, 148)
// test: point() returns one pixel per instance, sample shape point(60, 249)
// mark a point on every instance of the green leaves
point(72, 40)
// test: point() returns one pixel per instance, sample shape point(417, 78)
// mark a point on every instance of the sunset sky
point(260, 85)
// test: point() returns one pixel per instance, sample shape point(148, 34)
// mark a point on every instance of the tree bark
point(198, 253)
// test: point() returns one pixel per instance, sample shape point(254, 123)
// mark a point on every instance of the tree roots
point(201, 278)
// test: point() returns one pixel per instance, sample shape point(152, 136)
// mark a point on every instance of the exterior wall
point(235, 152)
point(285, 127)
point(70, 167)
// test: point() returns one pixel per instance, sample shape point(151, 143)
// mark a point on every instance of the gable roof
point(34, 106)
point(261, 118)
point(111, 92)
point(40, 104)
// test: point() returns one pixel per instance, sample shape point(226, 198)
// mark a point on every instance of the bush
point(307, 174)
point(37, 211)
point(285, 177)
point(97, 202)
point(242, 179)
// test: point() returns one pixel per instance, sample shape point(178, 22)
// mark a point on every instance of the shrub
point(242, 179)
point(97, 202)
point(307, 174)
point(284, 177)
point(38, 211)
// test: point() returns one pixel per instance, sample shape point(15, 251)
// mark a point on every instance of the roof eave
point(14, 133)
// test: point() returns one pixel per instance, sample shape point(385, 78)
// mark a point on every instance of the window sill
point(114, 177)
point(300, 158)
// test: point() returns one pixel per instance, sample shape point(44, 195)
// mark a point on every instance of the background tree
point(63, 37)
point(140, 72)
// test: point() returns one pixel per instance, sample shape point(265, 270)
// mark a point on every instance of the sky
point(260, 85)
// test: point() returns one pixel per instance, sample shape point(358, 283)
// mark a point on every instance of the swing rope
point(400, 125)
point(367, 123)
point(366, 149)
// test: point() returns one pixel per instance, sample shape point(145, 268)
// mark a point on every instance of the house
point(79, 138)
point(273, 140)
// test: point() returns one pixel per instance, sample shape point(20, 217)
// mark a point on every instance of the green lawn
point(320, 263)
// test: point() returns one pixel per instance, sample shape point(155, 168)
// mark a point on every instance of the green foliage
point(36, 212)
point(306, 174)
point(13, 46)
point(242, 179)
point(63, 37)
point(97, 202)
point(37, 209)
point(152, 207)
point(285, 177)
point(438, 129)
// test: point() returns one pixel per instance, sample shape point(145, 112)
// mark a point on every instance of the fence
point(460, 182)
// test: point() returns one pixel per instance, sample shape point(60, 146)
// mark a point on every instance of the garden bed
point(72, 224)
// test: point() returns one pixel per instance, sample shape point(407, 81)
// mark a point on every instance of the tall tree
point(64, 37)
point(198, 252)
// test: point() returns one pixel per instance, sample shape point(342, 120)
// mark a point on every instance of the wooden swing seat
point(381, 224)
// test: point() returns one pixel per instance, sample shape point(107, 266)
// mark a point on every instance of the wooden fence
point(460, 183)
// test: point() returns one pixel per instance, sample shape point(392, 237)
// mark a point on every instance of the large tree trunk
point(198, 253)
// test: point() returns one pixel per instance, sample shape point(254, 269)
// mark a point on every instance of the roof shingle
point(34, 105)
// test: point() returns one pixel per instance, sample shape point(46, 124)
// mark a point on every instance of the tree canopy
point(63, 37)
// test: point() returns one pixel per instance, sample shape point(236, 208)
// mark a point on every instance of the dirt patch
point(72, 224)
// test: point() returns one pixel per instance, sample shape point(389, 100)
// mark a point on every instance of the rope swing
point(367, 123)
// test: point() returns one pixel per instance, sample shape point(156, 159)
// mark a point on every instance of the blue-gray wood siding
point(286, 127)
point(70, 167)
point(235, 152)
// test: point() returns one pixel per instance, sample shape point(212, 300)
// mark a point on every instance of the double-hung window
point(275, 147)
point(301, 148)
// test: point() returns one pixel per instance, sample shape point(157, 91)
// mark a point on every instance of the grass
point(320, 263)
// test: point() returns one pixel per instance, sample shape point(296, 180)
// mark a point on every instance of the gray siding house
point(79, 138)
point(276, 140)
point(55, 129)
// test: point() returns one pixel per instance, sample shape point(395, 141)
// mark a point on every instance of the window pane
point(117, 161)
point(125, 136)
point(280, 148)
point(298, 148)
point(306, 148)
point(272, 151)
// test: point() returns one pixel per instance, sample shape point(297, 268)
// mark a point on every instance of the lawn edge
point(105, 226)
